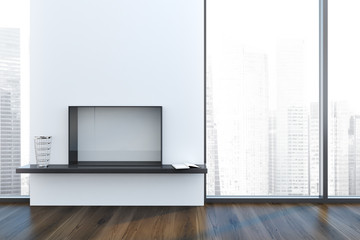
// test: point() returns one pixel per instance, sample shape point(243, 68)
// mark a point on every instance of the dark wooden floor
point(213, 221)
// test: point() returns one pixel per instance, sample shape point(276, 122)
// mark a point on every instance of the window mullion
point(324, 98)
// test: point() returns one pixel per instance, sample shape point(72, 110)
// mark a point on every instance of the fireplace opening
point(115, 135)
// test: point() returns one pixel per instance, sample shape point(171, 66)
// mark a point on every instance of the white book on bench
point(184, 165)
point(180, 166)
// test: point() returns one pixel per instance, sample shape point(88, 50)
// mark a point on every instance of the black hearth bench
point(65, 168)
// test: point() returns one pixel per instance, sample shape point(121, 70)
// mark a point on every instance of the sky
point(14, 13)
point(344, 52)
point(259, 25)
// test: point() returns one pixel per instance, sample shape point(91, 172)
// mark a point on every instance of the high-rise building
point(291, 162)
point(10, 182)
point(314, 163)
point(272, 152)
point(255, 131)
point(354, 156)
point(212, 158)
point(338, 145)
point(242, 120)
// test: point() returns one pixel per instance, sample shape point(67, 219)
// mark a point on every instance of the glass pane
point(262, 98)
point(344, 98)
point(13, 58)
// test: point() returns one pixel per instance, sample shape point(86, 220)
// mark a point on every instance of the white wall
point(119, 52)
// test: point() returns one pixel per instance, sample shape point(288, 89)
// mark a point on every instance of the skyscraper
point(243, 124)
point(314, 167)
point(291, 162)
point(354, 156)
point(255, 131)
point(212, 158)
point(10, 183)
point(338, 155)
point(272, 151)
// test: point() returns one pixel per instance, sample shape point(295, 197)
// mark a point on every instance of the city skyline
point(253, 150)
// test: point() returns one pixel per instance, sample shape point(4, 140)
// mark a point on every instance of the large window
point(13, 95)
point(262, 98)
point(344, 98)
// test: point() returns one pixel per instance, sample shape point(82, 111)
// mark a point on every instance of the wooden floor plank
point(213, 221)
